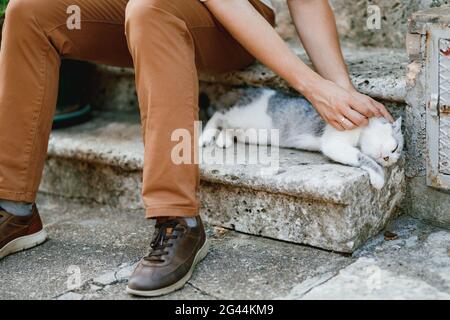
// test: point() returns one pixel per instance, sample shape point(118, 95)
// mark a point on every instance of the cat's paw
point(377, 180)
point(224, 139)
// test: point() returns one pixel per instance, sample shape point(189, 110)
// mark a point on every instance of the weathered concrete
point(427, 203)
point(307, 199)
point(379, 73)
point(366, 280)
point(416, 265)
point(430, 204)
point(352, 17)
point(105, 243)
point(327, 205)
point(419, 20)
point(248, 267)
point(258, 267)
point(91, 239)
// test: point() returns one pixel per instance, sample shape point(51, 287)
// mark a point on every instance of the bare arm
point(337, 105)
point(316, 26)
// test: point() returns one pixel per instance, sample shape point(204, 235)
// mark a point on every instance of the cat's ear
point(397, 125)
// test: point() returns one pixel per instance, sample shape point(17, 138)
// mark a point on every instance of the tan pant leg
point(169, 41)
point(34, 37)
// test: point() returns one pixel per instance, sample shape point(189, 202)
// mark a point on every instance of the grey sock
point(16, 208)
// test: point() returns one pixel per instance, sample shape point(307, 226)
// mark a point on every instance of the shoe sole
point(201, 254)
point(23, 243)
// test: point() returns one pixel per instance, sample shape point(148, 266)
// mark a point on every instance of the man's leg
point(35, 36)
point(169, 41)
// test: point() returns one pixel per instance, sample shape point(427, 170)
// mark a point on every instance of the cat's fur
point(371, 148)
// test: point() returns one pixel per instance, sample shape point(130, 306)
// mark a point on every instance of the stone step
point(377, 72)
point(307, 200)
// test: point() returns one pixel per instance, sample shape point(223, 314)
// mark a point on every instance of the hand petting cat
point(299, 126)
point(377, 108)
point(328, 87)
point(344, 109)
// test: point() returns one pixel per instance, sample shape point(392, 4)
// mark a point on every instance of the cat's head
point(383, 141)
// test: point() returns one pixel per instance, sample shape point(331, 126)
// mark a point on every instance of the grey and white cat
point(371, 148)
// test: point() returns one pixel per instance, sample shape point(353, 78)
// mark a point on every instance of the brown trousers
point(167, 42)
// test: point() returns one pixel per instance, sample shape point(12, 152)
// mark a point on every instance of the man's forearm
point(333, 97)
point(263, 42)
point(316, 26)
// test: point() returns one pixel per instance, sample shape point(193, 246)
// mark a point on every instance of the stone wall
point(425, 202)
point(351, 17)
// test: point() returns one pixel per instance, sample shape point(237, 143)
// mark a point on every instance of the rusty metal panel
point(438, 108)
point(444, 106)
point(444, 75)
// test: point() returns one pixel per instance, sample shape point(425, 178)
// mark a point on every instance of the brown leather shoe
point(175, 250)
point(20, 233)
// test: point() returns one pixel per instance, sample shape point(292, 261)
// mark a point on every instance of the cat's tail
point(211, 129)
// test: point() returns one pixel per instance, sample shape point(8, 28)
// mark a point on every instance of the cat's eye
point(395, 148)
point(386, 158)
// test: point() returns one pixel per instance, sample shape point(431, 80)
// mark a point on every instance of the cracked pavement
point(92, 251)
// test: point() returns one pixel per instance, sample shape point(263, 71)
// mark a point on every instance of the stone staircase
point(309, 200)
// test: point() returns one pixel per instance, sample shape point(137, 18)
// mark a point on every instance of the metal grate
point(444, 75)
point(444, 106)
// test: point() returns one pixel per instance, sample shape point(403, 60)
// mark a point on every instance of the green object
point(72, 106)
point(3, 4)
point(74, 117)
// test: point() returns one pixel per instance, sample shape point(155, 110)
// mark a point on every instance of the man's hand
point(344, 109)
point(378, 109)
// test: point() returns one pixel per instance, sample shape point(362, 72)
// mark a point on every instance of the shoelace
point(161, 240)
